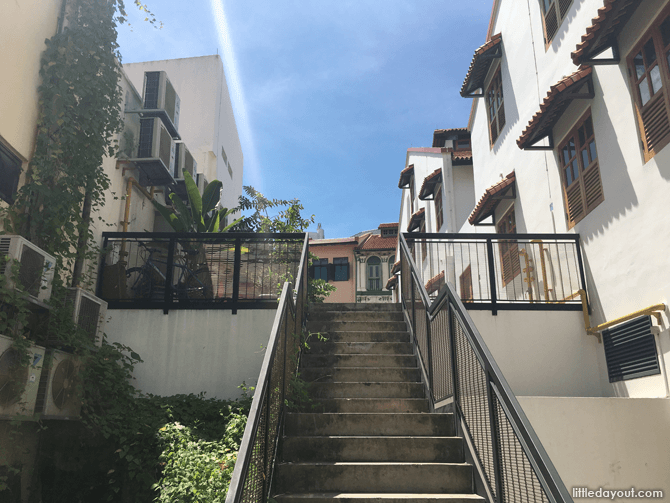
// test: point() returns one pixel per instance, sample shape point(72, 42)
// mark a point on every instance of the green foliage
point(318, 289)
point(287, 220)
point(14, 308)
point(299, 398)
point(203, 215)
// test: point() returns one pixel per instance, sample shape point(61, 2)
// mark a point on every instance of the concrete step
point(338, 497)
point(360, 348)
point(368, 336)
point(356, 316)
point(373, 448)
point(350, 306)
point(404, 361)
point(359, 374)
point(370, 424)
point(320, 390)
point(374, 477)
point(324, 327)
point(371, 405)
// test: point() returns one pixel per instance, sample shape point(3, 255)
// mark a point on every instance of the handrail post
point(236, 273)
point(580, 263)
point(168, 275)
point(492, 277)
point(101, 270)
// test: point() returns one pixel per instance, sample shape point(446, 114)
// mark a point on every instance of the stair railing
point(252, 476)
point(457, 364)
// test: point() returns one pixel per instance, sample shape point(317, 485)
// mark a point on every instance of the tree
point(287, 220)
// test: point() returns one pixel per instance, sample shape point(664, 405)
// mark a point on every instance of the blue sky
point(328, 96)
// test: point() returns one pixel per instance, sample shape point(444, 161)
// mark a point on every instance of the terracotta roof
point(611, 19)
point(391, 225)
point(558, 98)
point(487, 204)
point(462, 157)
point(429, 183)
point(435, 283)
point(481, 62)
point(396, 268)
point(451, 130)
point(405, 176)
point(430, 150)
point(439, 135)
point(335, 241)
point(377, 242)
point(392, 283)
point(416, 219)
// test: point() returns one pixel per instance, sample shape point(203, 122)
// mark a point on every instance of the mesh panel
point(421, 334)
point(151, 83)
point(89, 316)
point(519, 482)
point(254, 479)
point(32, 268)
point(473, 401)
point(146, 138)
point(443, 386)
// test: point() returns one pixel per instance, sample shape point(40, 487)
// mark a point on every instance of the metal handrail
point(497, 388)
point(260, 407)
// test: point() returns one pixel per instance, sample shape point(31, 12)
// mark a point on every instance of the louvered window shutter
point(630, 350)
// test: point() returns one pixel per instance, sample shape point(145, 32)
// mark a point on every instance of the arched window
point(391, 262)
point(374, 273)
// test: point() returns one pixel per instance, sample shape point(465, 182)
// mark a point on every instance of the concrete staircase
point(374, 438)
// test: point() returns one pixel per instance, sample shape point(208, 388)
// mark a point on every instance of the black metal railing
point(167, 271)
point(457, 365)
point(503, 271)
point(252, 476)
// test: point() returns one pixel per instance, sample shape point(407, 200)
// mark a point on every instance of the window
point(578, 158)
point(10, 171)
point(439, 214)
point(509, 249)
point(650, 78)
point(554, 12)
point(321, 268)
point(341, 269)
point(463, 144)
point(374, 273)
point(495, 107)
point(391, 264)
point(389, 233)
point(465, 281)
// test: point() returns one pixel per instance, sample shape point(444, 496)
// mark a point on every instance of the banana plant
point(203, 215)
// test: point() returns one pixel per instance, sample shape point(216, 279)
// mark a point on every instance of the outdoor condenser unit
point(201, 182)
point(184, 162)
point(89, 313)
point(159, 94)
point(60, 387)
point(155, 153)
point(19, 383)
point(36, 269)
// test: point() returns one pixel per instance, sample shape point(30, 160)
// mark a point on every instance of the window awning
point(429, 184)
point(439, 135)
point(435, 283)
point(492, 197)
point(481, 63)
point(603, 32)
point(416, 220)
point(579, 85)
point(405, 176)
point(396, 268)
point(392, 283)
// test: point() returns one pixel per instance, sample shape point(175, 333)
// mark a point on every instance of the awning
point(579, 85)
point(405, 176)
point(603, 32)
point(416, 220)
point(396, 268)
point(479, 68)
point(435, 283)
point(492, 197)
point(392, 283)
point(439, 135)
point(429, 184)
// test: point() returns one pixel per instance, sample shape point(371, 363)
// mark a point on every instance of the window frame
point(465, 283)
point(495, 98)
point(338, 264)
point(439, 207)
point(411, 196)
point(9, 173)
point(508, 248)
point(558, 5)
point(369, 277)
point(585, 178)
point(653, 105)
point(320, 267)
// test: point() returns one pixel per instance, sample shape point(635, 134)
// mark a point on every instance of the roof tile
point(478, 70)
point(486, 204)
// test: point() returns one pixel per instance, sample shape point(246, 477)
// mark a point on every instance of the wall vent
point(630, 350)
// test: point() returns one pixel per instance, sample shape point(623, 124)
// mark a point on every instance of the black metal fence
point(458, 365)
point(252, 477)
point(502, 271)
point(197, 271)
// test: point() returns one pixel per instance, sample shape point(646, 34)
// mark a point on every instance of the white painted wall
point(189, 351)
point(613, 443)
point(624, 252)
point(206, 120)
point(543, 353)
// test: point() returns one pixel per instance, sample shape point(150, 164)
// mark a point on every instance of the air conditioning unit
point(184, 162)
point(155, 153)
point(19, 383)
point(201, 182)
point(60, 389)
point(89, 313)
point(36, 270)
point(159, 94)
